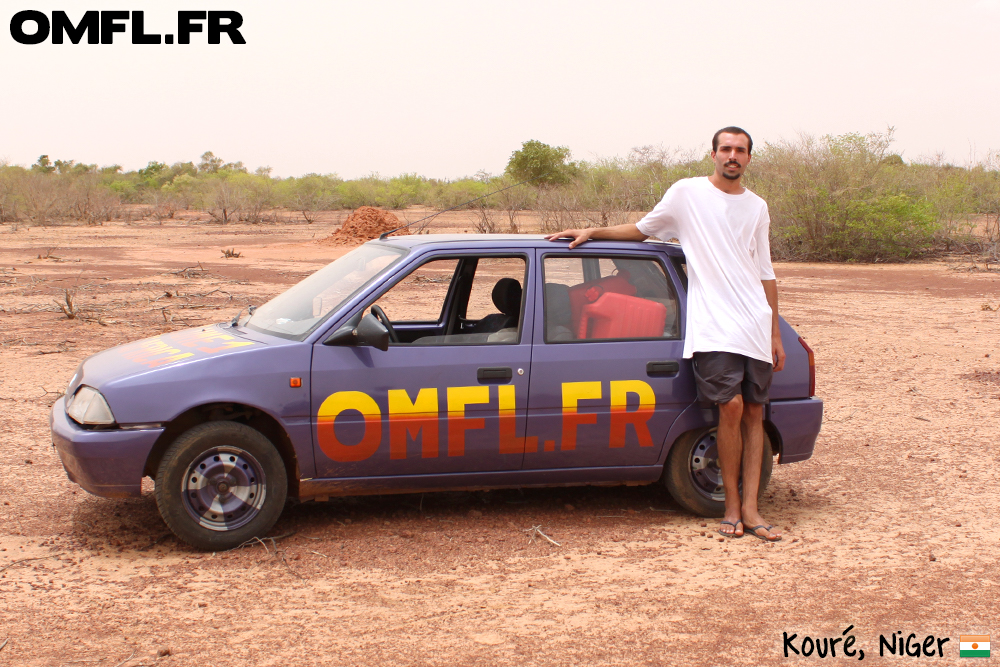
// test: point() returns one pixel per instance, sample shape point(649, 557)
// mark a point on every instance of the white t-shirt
point(725, 241)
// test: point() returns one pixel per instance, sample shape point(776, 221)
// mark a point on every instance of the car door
point(607, 377)
point(451, 395)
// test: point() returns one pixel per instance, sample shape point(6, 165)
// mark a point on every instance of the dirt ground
point(891, 526)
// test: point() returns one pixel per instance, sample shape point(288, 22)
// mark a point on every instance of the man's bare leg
point(752, 432)
point(729, 442)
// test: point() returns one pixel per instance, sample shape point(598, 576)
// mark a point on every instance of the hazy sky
point(446, 89)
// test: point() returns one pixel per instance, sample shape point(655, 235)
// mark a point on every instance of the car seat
point(507, 299)
point(558, 313)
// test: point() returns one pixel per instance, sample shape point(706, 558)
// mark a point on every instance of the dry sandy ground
point(891, 526)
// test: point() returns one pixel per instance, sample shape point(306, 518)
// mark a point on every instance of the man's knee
point(753, 413)
point(732, 409)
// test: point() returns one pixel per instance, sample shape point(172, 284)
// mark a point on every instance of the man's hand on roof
point(626, 232)
point(578, 236)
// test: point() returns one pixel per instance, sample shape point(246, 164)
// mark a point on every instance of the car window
point(591, 298)
point(458, 301)
point(420, 296)
point(489, 272)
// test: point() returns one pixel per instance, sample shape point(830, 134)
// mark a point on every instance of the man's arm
point(777, 348)
point(627, 232)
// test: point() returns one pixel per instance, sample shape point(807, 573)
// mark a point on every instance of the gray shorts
point(720, 376)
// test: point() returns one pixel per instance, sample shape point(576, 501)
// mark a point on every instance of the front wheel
point(694, 478)
point(220, 484)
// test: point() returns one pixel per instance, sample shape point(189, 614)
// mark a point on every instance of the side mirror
point(368, 333)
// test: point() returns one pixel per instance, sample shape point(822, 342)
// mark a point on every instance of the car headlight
point(71, 381)
point(87, 406)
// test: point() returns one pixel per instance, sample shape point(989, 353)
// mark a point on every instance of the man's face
point(732, 156)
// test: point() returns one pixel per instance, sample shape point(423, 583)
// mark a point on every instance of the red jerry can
point(615, 315)
point(589, 292)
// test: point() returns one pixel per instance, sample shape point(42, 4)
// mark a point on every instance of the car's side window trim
point(449, 308)
point(680, 267)
point(598, 255)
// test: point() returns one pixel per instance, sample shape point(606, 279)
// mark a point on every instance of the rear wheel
point(220, 484)
point(693, 476)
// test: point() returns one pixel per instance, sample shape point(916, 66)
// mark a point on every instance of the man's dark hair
point(732, 129)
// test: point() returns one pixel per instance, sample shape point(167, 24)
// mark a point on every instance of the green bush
point(542, 164)
point(843, 198)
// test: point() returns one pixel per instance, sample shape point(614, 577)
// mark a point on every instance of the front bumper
point(798, 423)
point(106, 463)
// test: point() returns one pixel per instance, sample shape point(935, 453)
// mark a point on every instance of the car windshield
point(296, 313)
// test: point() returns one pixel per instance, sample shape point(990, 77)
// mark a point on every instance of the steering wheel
point(384, 319)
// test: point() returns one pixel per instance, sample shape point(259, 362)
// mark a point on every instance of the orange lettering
point(621, 417)
point(572, 393)
point(410, 417)
point(458, 423)
point(332, 407)
point(510, 443)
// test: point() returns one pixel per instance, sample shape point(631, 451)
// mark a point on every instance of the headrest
point(507, 296)
point(558, 310)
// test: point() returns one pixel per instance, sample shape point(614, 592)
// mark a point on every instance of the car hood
point(155, 378)
point(149, 354)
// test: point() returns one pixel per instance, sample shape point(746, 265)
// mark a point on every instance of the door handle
point(494, 375)
point(662, 368)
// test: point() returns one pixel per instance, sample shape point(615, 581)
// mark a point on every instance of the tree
point(209, 163)
point(151, 170)
point(44, 165)
point(544, 164)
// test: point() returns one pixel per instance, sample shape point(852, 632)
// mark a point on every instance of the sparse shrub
point(256, 195)
point(224, 201)
point(67, 305)
point(10, 195)
point(309, 194)
point(487, 220)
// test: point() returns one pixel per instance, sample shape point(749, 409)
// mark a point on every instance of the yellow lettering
point(154, 363)
point(510, 443)
point(327, 437)
point(458, 424)
point(411, 417)
point(621, 417)
point(572, 393)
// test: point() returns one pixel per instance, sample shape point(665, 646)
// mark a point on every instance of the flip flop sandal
point(753, 531)
point(734, 525)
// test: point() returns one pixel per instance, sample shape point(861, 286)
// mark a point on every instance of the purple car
point(420, 363)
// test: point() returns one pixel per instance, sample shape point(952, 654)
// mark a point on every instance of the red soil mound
point(364, 224)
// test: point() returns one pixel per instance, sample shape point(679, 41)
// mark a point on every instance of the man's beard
point(726, 175)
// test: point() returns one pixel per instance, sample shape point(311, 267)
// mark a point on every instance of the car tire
point(220, 484)
point(692, 474)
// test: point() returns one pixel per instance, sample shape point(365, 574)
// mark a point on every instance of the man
point(732, 324)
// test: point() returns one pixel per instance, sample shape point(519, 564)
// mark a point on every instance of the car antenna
point(236, 320)
point(383, 235)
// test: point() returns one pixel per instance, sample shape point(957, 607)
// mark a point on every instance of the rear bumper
point(798, 423)
point(105, 463)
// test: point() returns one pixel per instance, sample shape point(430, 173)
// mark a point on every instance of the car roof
point(411, 241)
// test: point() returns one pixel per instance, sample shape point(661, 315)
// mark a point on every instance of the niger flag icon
point(974, 646)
